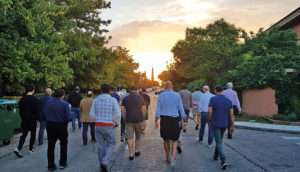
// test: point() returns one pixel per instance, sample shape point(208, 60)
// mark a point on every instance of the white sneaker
point(173, 160)
point(31, 151)
point(209, 146)
point(126, 147)
point(18, 153)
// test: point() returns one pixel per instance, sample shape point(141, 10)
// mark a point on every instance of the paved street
point(248, 151)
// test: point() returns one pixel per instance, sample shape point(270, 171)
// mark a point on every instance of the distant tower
point(152, 75)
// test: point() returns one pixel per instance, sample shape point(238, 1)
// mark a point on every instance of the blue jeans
point(41, 131)
point(77, 112)
point(219, 133)
point(122, 126)
point(105, 137)
point(85, 130)
point(204, 120)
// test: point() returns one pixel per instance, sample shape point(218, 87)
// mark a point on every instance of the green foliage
point(295, 105)
point(196, 84)
point(286, 117)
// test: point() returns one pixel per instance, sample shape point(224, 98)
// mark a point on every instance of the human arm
point(158, 112)
point(209, 114)
point(117, 111)
point(93, 110)
point(232, 121)
point(181, 110)
point(144, 111)
point(123, 111)
point(238, 103)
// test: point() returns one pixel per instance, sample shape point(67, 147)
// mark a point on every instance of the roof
point(288, 21)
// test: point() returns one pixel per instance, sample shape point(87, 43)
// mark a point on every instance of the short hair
point(105, 88)
point(229, 85)
point(205, 87)
point(59, 93)
point(219, 88)
point(133, 88)
point(183, 85)
point(144, 89)
point(89, 94)
point(29, 88)
point(77, 88)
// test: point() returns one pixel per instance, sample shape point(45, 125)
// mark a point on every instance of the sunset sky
point(150, 28)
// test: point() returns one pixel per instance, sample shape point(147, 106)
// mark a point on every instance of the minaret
point(152, 75)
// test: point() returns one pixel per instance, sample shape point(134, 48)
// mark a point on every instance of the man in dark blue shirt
point(57, 114)
point(220, 110)
point(41, 103)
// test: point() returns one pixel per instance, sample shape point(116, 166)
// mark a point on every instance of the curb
point(267, 129)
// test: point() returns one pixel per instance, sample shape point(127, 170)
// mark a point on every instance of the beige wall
point(260, 102)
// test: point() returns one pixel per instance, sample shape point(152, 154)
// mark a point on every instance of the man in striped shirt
point(105, 111)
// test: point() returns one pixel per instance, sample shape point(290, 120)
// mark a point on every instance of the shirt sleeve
point(200, 104)
point(158, 108)
point(180, 108)
point(238, 103)
point(68, 112)
point(93, 110)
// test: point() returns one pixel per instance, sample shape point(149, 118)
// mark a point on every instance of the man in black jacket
point(74, 99)
point(28, 108)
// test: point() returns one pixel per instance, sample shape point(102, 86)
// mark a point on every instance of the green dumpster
point(6, 126)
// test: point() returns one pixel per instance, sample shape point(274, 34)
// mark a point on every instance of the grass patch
point(250, 118)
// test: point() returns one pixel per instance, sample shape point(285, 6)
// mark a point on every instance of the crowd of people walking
point(103, 114)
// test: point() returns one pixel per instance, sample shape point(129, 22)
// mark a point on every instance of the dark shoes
point(103, 168)
point(184, 130)
point(137, 153)
point(179, 150)
point(224, 165)
point(197, 127)
point(131, 158)
point(18, 153)
point(52, 168)
point(229, 136)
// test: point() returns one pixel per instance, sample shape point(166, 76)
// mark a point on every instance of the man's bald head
point(48, 91)
point(205, 88)
point(169, 85)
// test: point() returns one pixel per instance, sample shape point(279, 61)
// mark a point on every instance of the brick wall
point(297, 30)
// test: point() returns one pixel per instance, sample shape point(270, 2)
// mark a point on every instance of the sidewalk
point(268, 127)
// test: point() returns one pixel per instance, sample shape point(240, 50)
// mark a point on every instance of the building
point(291, 21)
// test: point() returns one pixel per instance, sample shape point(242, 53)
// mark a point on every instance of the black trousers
point(187, 113)
point(27, 126)
point(57, 131)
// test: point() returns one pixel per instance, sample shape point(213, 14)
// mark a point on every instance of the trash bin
point(6, 126)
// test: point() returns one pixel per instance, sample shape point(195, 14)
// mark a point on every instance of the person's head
point(205, 88)
point(229, 85)
point(218, 89)
point(59, 93)
point(183, 85)
point(144, 90)
point(77, 89)
point(48, 91)
point(169, 85)
point(29, 89)
point(89, 94)
point(105, 88)
point(133, 88)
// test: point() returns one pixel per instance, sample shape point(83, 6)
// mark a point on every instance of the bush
point(286, 117)
point(195, 84)
point(295, 106)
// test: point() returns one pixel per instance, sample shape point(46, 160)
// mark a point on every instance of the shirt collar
point(169, 90)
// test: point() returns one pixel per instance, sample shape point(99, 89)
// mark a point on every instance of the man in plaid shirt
point(106, 111)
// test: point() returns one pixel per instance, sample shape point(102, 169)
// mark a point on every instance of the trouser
point(218, 134)
point(204, 119)
point(235, 112)
point(85, 130)
point(105, 137)
point(57, 131)
point(187, 113)
point(41, 131)
point(122, 126)
point(78, 115)
point(27, 126)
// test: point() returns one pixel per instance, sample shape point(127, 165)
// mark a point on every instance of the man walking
point(123, 131)
point(41, 104)
point(187, 101)
point(196, 96)
point(105, 111)
point(203, 109)
point(85, 107)
point(74, 99)
point(232, 95)
point(147, 101)
point(169, 105)
point(219, 113)
point(57, 113)
point(134, 113)
point(28, 108)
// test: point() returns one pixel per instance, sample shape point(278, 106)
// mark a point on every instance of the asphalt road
point(248, 151)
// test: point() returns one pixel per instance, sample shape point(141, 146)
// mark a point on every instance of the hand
point(156, 125)
point(184, 125)
point(231, 130)
point(240, 112)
